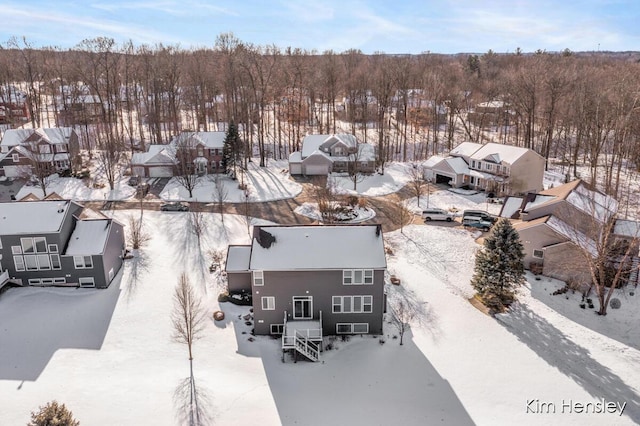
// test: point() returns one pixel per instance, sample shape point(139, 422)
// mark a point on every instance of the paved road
point(280, 211)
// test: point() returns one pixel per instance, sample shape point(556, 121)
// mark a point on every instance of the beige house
point(557, 228)
point(503, 169)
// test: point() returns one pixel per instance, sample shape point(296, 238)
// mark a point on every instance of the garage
point(440, 178)
point(316, 169)
point(160, 172)
point(138, 171)
point(16, 171)
point(295, 168)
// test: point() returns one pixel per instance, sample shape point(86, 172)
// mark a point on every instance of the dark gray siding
point(112, 257)
point(322, 285)
point(238, 281)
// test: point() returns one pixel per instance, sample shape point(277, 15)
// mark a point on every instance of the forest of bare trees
point(572, 108)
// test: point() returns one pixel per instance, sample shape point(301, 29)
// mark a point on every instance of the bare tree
point(354, 169)
point(220, 194)
point(416, 181)
point(184, 150)
point(197, 224)
point(246, 210)
point(188, 315)
point(402, 316)
point(138, 235)
point(400, 214)
point(325, 198)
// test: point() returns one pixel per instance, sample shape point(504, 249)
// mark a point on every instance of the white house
point(323, 154)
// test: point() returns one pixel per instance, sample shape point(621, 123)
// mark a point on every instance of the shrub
point(53, 414)
point(352, 200)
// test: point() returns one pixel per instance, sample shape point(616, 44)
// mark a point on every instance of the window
point(16, 250)
point(43, 262)
point(45, 149)
point(15, 158)
point(41, 244)
point(258, 278)
point(19, 263)
point(357, 276)
point(53, 248)
point(55, 261)
point(487, 166)
point(0, 243)
point(277, 328)
point(352, 304)
point(31, 261)
point(59, 280)
point(268, 303)
point(34, 281)
point(46, 281)
point(87, 282)
point(82, 262)
point(27, 245)
point(355, 328)
point(539, 254)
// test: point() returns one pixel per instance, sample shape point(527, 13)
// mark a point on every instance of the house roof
point(13, 137)
point(211, 140)
point(531, 223)
point(238, 258)
point(432, 161)
point(497, 153)
point(318, 247)
point(295, 157)
point(312, 143)
point(89, 237)
point(511, 206)
point(627, 228)
point(155, 155)
point(466, 149)
point(32, 217)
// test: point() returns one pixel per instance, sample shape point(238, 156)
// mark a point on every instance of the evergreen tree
point(231, 150)
point(53, 414)
point(499, 269)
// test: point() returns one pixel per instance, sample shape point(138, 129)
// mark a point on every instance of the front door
point(302, 307)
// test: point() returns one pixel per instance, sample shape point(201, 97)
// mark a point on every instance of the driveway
point(10, 187)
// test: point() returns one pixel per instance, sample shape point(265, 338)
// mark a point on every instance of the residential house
point(323, 154)
point(52, 149)
point(14, 109)
point(491, 114)
point(202, 151)
point(494, 167)
point(305, 286)
point(557, 225)
point(52, 242)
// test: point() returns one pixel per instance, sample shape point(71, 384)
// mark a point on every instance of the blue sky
point(390, 26)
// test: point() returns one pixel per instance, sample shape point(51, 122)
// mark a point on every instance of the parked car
point(436, 214)
point(174, 207)
point(483, 225)
point(134, 181)
point(481, 214)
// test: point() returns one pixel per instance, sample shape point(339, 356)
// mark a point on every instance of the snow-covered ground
point(452, 201)
point(311, 210)
point(396, 175)
point(77, 189)
point(268, 183)
point(108, 354)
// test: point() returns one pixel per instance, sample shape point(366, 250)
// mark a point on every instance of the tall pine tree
point(232, 150)
point(499, 269)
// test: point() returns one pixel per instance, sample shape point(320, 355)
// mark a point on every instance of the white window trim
point(15, 158)
point(19, 260)
point(302, 299)
point(351, 327)
point(279, 328)
point(53, 248)
point(86, 280)
point(82, 265)
point(35, 257)
point(55, 256)
point(30, 241)
point(16, 250)
point(352, 299)
point(258, 278)
point(349, 277)
point(270, 303)
point(35, 244)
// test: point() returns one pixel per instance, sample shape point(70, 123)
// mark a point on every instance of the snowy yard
point(311, 210)
point(396, 175)
point(77, 189)
point(108, 354)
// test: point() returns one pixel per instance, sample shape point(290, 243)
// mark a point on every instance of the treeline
point(575, 108)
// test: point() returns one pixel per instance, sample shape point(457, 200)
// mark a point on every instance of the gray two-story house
point(311, 281)
point(47, 243)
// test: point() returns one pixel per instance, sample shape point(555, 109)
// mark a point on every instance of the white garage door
point(160, 172)
point(16, 171)
point(295, 168)
point(316, 169)
point(138, 171)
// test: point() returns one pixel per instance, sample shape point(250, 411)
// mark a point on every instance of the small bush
point(53, 414)
point(615, 303)
point(352, 200)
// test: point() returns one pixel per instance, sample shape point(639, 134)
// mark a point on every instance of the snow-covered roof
point(312, 143)
point(211, 140)
point(496, 152)
point(156, 154)
point(511, 206)
point(627, 228)
point(538, 201)
point(318, 153)
point(89, 237)
point(238, 258)
point(458, 165)
point(319, 247)
point(32, 217)
point(593, 203)
point(295, 157)
point(432, 161)
point(573, 234)
point(466, 149)
point(13, 137)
